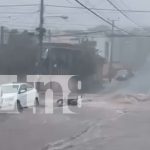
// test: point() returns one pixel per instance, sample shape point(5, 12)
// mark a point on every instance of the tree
point(87, 59)
point(19, 55)
point(90, 65)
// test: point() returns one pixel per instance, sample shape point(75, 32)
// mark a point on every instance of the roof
point(66, 46)
point(10, 84)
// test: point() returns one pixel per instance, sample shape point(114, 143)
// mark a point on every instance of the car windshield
point(9, 89)
point(122, 72)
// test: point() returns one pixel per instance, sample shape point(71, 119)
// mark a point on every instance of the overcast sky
point(78, 19)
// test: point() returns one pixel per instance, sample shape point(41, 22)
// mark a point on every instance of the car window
point(23, 87)
point(29, 87)
point(9, 89)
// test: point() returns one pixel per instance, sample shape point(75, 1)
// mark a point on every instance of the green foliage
point(19, 56)
point(88, 60)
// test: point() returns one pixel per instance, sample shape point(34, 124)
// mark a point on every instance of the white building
point(103, 42)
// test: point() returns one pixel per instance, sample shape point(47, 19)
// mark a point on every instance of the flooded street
point(74, 75)
point(101, 123)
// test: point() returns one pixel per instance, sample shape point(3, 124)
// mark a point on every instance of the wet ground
point(105, 121)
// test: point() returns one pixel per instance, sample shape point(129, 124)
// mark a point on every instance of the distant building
point(103, 44)
point(131, 51)
point(4, 35)
point(65, 59)
point(61, 59)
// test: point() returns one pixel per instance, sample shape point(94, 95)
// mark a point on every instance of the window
point(29, 87)
point(10, 89)
point(23, 87)
point(107, 50)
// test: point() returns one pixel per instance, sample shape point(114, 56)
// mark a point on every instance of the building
point(68, 59)
point(103, 44)
point(4, 35)
point(61, 58)
point(131, 51)
point(128, 52)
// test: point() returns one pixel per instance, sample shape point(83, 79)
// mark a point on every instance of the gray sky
point(78, 19)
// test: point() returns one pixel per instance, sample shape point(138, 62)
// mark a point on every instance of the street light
point(62, 17)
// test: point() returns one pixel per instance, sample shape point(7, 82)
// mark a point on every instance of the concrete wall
point(131, 51)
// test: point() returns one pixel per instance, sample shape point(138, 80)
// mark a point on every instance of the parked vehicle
point(123, 75)
point(18, 95)
point(71, 100)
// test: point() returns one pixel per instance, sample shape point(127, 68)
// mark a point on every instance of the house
point(131, 51)
point(61, 58)
point(4, 35)
point(68, 59)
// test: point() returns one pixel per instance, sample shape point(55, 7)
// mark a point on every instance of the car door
point(31, 94)
point(22, 95)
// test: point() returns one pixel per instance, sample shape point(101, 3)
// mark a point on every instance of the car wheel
point(72, 102)
point(60, 102)
point(37, 104)
point(19, 107)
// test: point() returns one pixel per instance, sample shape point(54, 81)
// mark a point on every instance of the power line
point(124, 4)
point(73, 24)
point(101, 9)
point(25, 5)
point(81, 33)
point(100, 17)
point(72, 7)
point(140, 36)
point(100, 36)
point(20, 13)
point(69, 2)
point(105, 20)
point(126, 16)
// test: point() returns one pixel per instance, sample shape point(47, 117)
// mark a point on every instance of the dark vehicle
point(123, 75)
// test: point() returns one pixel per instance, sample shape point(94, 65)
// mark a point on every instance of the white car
point(18, 96)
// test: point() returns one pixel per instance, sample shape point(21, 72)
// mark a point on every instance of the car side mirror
point(22, 91)
point(1, 93)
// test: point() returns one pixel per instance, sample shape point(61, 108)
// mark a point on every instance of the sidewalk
point(130, 132)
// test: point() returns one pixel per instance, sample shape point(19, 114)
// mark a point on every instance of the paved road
point(97, 125)
point(28, 131)
point(129, 130)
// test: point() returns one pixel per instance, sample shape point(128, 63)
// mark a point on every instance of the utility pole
point(2, 35)
point(41, 30)
point(41, 33)
point(111, 52)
